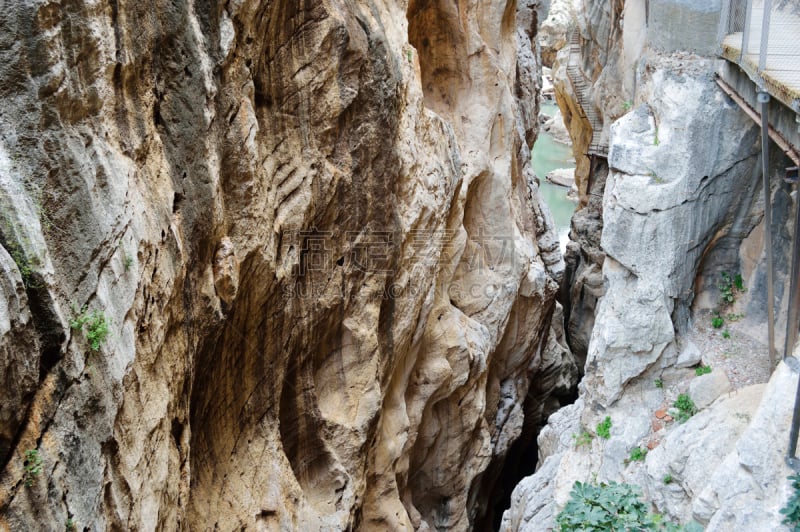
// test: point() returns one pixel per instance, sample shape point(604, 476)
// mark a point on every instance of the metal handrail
point(738, 16)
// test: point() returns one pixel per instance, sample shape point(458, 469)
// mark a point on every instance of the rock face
point(312, 235)
point(662, 213)
point(553, 34)
point(725, 464)
point(678, 202)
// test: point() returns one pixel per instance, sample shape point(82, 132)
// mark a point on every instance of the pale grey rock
point(561, 16)
point(689, 356)
point(749, 488)
point(705, 389)
point(660, 213)
point(19, 352)
point(683, 25)
point(554, 126)
point(563, 177)
point(532, 502)
point(692, 451)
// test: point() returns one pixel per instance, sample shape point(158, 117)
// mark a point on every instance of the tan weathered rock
point(313, 233)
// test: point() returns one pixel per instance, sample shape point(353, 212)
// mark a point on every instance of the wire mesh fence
point(733, 18)
point(761, 36)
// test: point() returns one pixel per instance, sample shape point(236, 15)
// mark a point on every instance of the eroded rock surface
point(313, 234)
point(678, 203)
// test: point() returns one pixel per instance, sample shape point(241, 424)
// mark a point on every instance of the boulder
point(705, 389)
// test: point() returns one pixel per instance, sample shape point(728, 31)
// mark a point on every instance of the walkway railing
point(761, 36)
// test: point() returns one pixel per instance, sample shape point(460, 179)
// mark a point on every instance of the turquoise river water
point(549, 155)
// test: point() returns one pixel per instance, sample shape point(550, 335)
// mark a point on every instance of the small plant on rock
point(686, 408)
point(584, 438)
point(729, 287)
point(127, 261)
point(638, 454)
point(33, 466)
point(604, 428)
point(792, 508)
point(94, 324)
point(702, 370)
point(659, 383)
point(668, 479)
point(726, 334)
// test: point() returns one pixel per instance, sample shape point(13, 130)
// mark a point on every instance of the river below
point(549, 155)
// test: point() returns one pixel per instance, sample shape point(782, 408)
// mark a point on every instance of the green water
point(549, 155)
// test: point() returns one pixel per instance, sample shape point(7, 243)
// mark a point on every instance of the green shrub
point(668, 479)
point(702, 370)
point(638, 454)
point(726, 334)
point(33, 466)
point(686, 408)
point(717, 321)
point(604, 428)
point(792, 508)
point(611, 507)
point(659, 383)
point(729, 287)
point(95, 326)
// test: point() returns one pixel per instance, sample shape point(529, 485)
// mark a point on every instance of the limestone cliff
point(311, 233)
point(677, 202)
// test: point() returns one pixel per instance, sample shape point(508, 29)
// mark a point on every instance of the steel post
point(792, 324)
point(765, 23)
point(791, 452)
point(724, 23)
point(746, 32)
point(763, 98)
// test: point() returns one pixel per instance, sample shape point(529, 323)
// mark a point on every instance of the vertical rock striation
point(313, 233)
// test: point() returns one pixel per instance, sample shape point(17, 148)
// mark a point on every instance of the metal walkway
point(761, 38)
point(766, 48)
point(583, 89)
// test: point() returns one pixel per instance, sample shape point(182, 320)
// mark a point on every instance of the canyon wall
point(677, 202)
point(270, 264)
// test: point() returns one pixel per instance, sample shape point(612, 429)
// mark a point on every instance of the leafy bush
point(611, 507)
point(686, 408)
point(702, 370)
point(717, 321)
point(94, 324)
point(792, 508)
point(638, 454)
point(604, 428)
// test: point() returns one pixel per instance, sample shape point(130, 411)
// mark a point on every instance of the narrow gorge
point(289, 265)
